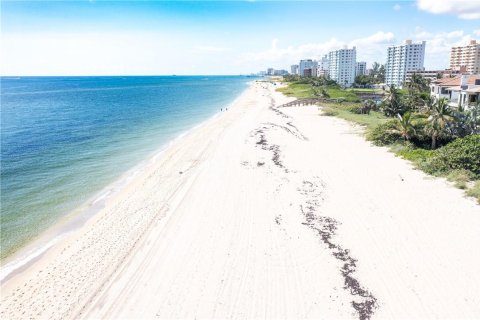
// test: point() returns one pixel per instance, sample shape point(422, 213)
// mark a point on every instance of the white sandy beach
point(265, 212)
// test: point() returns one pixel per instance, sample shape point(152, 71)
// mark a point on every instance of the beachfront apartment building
point(294, 69)
point(323, 66)
point(361, 68)
point(403, 58)
point(307, 68)
point(280, 72)
point(466, 56)
point(342, 65)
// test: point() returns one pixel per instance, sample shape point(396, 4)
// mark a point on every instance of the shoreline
point(33, 250)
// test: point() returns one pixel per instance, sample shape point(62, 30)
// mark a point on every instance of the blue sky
point(229, 37)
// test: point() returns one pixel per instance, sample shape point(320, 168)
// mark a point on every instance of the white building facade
point(361, 68)
point(294, 69)
point(342, 65)
point(403, 58)
point(461, 91)
point(466, 56)
point(323, 67)
point(307, 68)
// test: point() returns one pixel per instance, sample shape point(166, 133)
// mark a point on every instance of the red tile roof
point(451, 82)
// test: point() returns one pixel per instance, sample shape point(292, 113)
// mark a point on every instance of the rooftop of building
point(456, 81)
point(471, 43)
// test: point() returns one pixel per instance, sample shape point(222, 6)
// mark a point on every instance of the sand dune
point(266, 212)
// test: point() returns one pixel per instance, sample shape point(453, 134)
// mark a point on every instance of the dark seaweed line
point(274, 109)
point(325, 227)
point(275, 149)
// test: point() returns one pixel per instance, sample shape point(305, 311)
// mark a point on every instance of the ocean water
point(64, 139)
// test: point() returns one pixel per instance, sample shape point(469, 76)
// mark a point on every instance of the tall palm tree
point(429, 102)
point(368, 105)
point(391, 103)
point(472, 120)
point(440, 116)
point(417, 83)
point(405, 127)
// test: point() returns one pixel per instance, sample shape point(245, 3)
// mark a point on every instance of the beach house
point(461, 91)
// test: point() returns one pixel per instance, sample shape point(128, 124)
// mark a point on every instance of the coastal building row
point(403, 61)
point(273, 72)
point(463, 60)
point(339, 65)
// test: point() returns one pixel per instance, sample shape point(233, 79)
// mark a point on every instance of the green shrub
point(384, 134)
point(327, 112)
point(463, 153)
point(421, 138)
point(354, 109)
point(433, 166)
point(475, 191)
point(415, 155)
point(460, 178)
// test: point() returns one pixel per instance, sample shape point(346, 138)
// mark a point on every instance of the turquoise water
point(63, 139)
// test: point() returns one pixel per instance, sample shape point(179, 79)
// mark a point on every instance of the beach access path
point(266, 212)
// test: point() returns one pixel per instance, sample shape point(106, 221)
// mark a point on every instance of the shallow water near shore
point(66, 138)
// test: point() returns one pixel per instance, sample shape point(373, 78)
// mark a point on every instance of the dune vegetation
point(437, 138)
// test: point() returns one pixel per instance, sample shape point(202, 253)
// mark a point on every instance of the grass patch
point(460, 178)
point(412, 154)
point(298, 90)
point(366, 90)
point(343, 110)
point(337, 93)
point(329, 112)
point(474, 191)
point(305, 90)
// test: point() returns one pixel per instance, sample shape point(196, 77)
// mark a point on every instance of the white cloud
point(476, 32)
point(371, 48)
point(464, 9)
point(397, 7)
point(376, 38)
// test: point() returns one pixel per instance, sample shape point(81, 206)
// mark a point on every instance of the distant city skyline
point(154, 37)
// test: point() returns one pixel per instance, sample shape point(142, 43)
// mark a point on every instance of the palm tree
point(440, 116)
point(472, 119)
point(429, 102)
point(417, 84)
point(322, 93)
point(368, 105)
point(391, 103)
point(405, 127)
